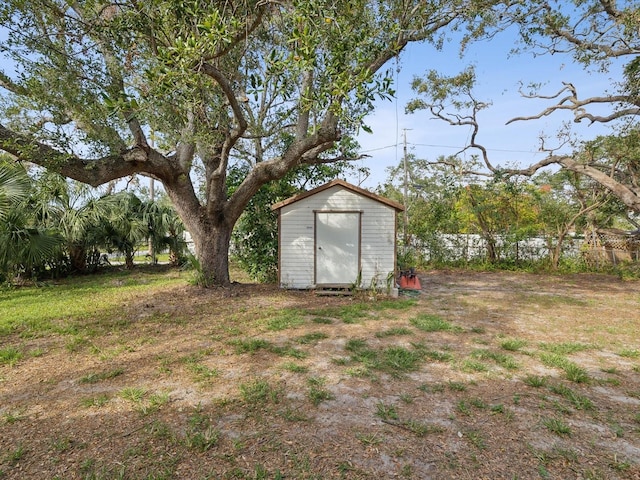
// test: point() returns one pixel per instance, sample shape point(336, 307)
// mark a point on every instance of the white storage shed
point(337, 236)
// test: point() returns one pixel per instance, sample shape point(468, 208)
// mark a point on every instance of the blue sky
point(498, 81)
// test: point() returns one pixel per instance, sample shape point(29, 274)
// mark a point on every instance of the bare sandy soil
point(529, 376)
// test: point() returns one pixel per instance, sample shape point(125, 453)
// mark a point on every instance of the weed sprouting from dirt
point(10, 356)
point(433, 323)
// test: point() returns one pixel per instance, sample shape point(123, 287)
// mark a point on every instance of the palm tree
point(25, 246)
point(165, 230)
point(73, 209)
point(14, 186)
point(125, 227)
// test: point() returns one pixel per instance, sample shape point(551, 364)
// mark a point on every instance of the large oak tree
point(181, 90)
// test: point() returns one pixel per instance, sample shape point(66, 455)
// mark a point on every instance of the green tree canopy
point(272, 84)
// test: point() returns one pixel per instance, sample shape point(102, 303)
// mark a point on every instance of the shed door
point(337, 247)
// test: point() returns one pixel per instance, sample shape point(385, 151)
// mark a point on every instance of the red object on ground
point(409, 281)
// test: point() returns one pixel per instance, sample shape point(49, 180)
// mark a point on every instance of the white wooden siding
point(297, 253)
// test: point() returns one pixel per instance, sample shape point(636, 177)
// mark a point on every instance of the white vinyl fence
point(468, 247)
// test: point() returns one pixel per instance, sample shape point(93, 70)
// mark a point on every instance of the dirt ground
point(193, 384)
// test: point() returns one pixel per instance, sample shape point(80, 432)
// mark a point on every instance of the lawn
point(139, 375)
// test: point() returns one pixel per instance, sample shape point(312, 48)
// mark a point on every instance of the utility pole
point(406, 181)
point(152, 197)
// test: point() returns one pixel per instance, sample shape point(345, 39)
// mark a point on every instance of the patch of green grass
point(580, 402)
point(435, 355)
point(470, 365)
point(369, 439)
point(392, 332)
point(554, 360)
point(456, 386)
point(433, 323)
point(478, 403)
point(133, 394)
point(160, 430)
point(322, 320)
point(15, 455)
point(295, 368)
point(505, 361)
point(617, 429)
point(200, 434)
point(476, 439)
point(153, 403)
point(399, 360)
point(77, 343)
point(557, 426)
point(10, 356)
point(356, 345)
point(619, 465)
point(13, 416)
point(574, 372)
point(62, 444)
point(513, 344)
point(535, 381)
point(250, 346)
point(434, 388)
point(200, 371)
point(66, 307)
point(259, 392)
point(288, 351)
point(101, 376)
point(293, 415)
point(97, 401)
point(629, 353)
point(614, 382)
point(285, 319)
point(394, 360)
point(565, 348)
point(317, 393)
point(421, 429)
point(386, 412)
point(463, 407)
point(311, 338)
point(360, 372)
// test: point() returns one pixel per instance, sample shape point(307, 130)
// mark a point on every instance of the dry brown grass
point(255, 382)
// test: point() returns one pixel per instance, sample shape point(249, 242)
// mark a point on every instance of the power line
point(447, 146)
point(460, 148)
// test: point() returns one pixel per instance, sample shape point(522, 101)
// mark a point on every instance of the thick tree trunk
point(212, 251)
point(78, 257)
point(492, 250)
point(128, 260)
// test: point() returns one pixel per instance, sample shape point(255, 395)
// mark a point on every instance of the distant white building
point(337, 235)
